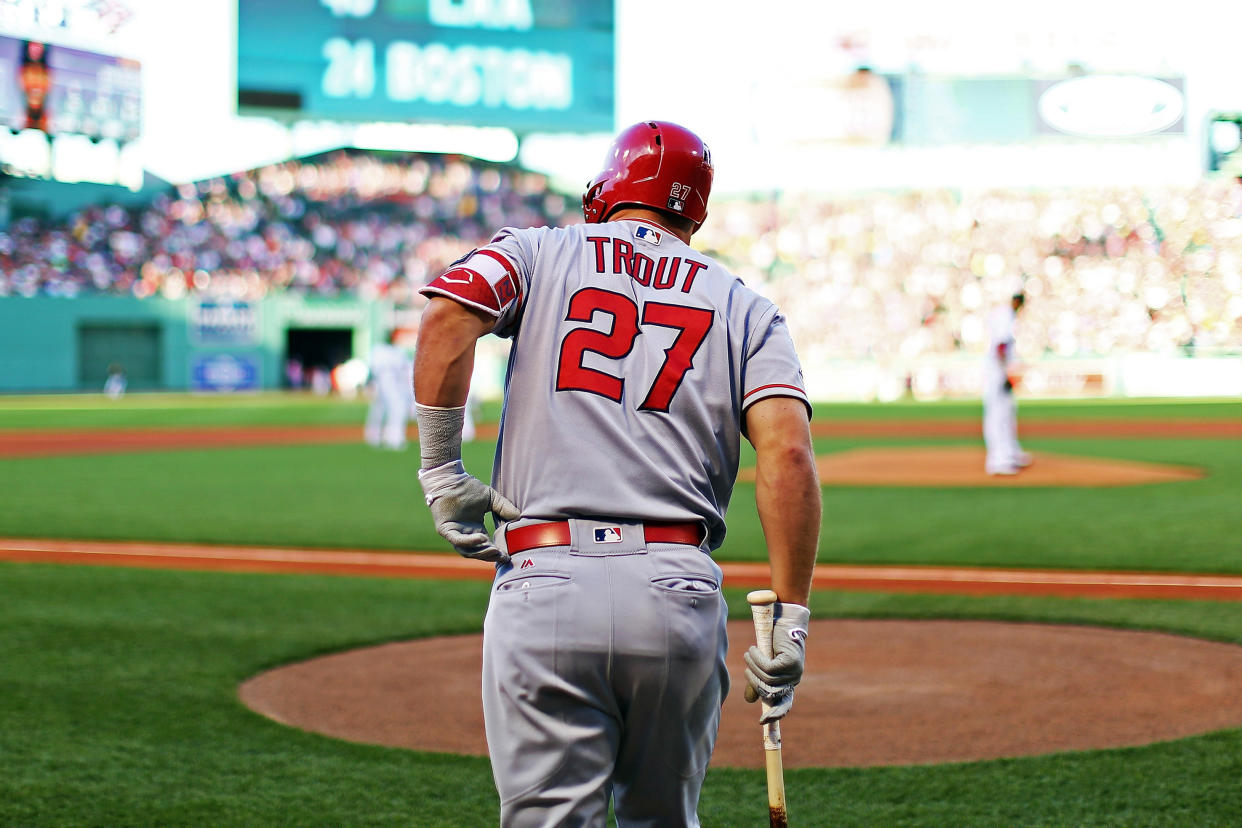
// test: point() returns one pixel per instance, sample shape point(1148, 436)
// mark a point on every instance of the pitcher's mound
point(876, 693)
point(963, 466)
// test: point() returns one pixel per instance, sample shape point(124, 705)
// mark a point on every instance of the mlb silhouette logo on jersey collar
point(608, 534)
point(647, 234)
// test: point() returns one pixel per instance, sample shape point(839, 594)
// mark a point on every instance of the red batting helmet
point(652, 164)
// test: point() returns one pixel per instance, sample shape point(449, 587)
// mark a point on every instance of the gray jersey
point(634, 357)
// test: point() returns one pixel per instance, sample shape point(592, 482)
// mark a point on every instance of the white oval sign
point(1111, 105)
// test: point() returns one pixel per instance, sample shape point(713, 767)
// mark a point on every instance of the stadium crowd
point(885, 276)
point(347, 223)
point(901, 275)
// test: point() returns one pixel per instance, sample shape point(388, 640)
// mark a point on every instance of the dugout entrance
point(311, 350)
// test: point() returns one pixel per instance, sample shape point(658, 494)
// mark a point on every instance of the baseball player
point(116, 382)
point(637, 365)
point(389, 413)
point(1005, 455)
point(468, 429)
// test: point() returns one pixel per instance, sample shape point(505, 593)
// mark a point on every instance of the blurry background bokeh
point(236, 195)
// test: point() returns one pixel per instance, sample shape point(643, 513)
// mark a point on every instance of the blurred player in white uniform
point(392, 395)
point(637, 365)
point(115, 384)
point(1005, 455)
point(469, 430)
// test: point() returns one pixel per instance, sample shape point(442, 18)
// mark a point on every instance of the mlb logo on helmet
point(608, 534)
point(677, 196)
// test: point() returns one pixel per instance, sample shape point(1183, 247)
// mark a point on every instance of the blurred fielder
point(1000, 409)
point(637, 365)
point(391, 388)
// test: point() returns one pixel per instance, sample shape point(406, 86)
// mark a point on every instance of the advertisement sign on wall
point(224, 322)
point(224, 372)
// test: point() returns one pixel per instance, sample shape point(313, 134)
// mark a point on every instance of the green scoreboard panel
point(529, 65)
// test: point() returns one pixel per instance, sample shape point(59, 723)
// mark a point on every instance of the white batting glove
point(459, 503)
point(773, 678)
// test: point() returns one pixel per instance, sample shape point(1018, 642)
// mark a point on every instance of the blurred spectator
point(321, 380)
point(294, 375)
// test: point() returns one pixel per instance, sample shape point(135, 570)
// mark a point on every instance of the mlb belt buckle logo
point(608, 534)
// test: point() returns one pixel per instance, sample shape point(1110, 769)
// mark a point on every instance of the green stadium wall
point(61, 345)
point(51, 344)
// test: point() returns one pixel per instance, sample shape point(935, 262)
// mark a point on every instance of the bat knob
point(761, 597)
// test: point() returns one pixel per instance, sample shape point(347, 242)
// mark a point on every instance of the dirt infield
point(48, 442)
point(445, 565)
point(964, 466)
point(879, 693)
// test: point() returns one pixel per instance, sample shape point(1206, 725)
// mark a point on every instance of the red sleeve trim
point(778, 390)
point(798, 392)
point(510, 287)
point(467, 287)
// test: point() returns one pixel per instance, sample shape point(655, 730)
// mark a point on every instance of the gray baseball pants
point(603, 677)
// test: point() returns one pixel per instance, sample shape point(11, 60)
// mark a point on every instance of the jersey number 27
point(691, 324)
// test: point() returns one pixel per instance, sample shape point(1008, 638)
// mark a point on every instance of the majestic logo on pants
point(608, 534)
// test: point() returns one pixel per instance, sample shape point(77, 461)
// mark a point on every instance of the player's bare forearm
point(787, 493)
point(788, 497)
point(444, 359)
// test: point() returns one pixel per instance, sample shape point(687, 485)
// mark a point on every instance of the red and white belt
point(556, 533)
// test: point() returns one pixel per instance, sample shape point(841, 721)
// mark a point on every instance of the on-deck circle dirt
point(877, 692)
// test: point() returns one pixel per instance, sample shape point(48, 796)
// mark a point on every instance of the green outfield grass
point(349, 495)
point(155, 409)
point(176, 410)
point(118, 702)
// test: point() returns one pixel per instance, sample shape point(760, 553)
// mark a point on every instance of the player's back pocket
point(544, 580)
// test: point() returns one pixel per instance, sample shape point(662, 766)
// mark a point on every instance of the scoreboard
point(529, 65)
point(65, 91)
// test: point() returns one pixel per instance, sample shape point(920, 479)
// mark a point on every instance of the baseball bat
point(761, 609)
